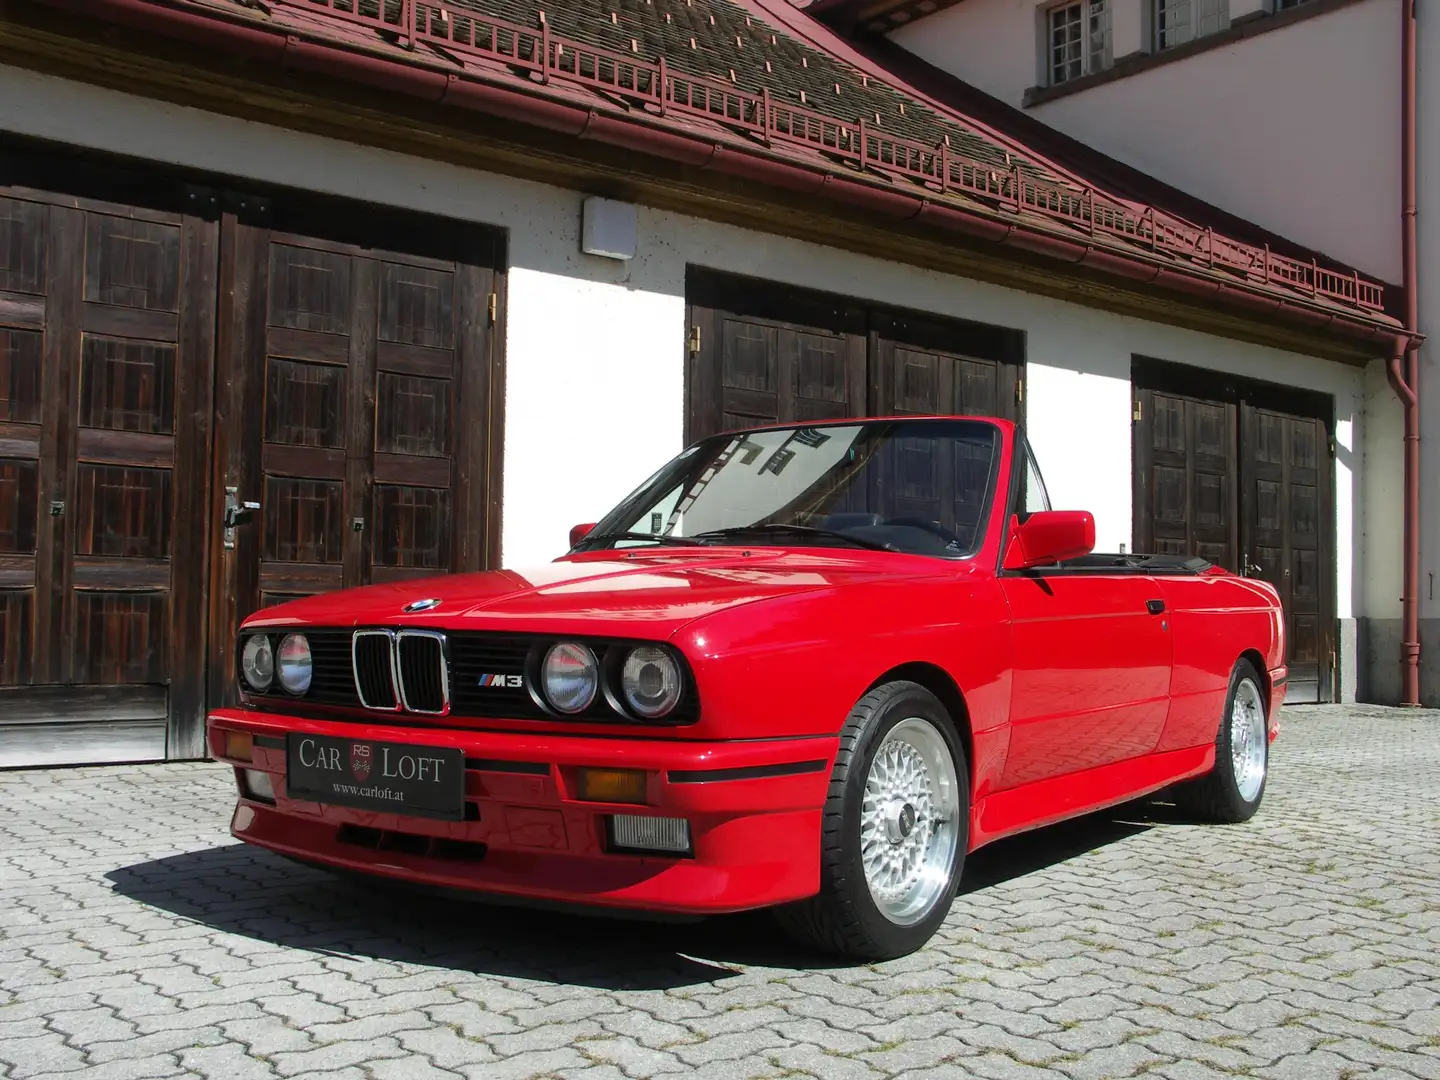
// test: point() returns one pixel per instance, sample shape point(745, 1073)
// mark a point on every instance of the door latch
point(236, 513)
point(1247, 568)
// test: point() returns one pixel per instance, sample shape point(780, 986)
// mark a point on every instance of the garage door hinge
point(1019, 391)
point(694, 339)
point(490, 308)
point(1135, 414)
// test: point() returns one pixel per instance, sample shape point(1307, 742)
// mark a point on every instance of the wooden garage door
point(1240, 473)
point(358, 401)
point(1286, 521)
point(765, 356)
point(932, 366)
point(762, 353)
point(1186, 451)
point(357, 408)
point(106, 339)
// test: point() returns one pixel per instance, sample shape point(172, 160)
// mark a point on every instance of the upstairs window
point(1179, 21)
point(1077, 39)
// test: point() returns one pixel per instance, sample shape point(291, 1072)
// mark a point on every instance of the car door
point(1092, 660)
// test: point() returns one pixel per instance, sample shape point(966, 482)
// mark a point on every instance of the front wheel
point(895, 829)
point(1232, 790)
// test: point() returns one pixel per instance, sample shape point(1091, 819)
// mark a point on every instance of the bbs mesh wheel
point(895, 830)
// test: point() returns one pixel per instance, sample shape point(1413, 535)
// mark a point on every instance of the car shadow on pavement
point(248, 891)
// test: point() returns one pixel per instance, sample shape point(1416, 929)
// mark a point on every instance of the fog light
point(239, 745)
point(259, 786)
point(612, 785)
point(659, 835)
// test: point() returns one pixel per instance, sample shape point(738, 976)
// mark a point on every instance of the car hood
point(650, 595)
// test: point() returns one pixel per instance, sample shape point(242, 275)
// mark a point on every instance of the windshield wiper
point(802, 530)
point(659, 538)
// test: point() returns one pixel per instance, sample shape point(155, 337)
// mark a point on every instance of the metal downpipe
point(1406, 383)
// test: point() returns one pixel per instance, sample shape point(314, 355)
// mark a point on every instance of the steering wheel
point(929, 526)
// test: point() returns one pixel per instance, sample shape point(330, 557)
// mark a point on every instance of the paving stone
point(1302, 944)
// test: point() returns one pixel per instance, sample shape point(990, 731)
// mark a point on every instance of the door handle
point(236, 513)
point(1248, 568)
point(1155, 607)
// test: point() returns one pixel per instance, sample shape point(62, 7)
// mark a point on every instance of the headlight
point(570, 676)
point(651, 682)
point(257, 663)
point(294, 663)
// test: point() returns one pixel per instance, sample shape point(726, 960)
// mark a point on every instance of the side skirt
point(1046, 802)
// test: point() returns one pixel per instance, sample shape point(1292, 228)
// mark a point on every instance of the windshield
point(922, 487)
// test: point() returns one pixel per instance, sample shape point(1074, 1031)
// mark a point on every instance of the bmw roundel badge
point(420, 605)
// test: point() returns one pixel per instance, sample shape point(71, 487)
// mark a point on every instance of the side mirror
point(1049, 536)
point(579, 532)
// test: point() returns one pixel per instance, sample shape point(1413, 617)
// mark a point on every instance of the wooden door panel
point(1285, 498)
point(1185, 463)
point(771, 355)
point(920, 369)
point(1239, 472)
point(105, 369)
point(358, 364)
point(15, 626)
point(20, 363)
point(924, 365)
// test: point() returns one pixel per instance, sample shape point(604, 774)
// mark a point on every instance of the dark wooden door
point(106, 349)
point(1185, 450)
point(925, 366)
point(359, 410)
point(771, 356)
point(1285, 511)
point(1240, 473)
point(761, 353)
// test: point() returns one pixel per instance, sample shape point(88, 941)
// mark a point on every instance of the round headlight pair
point(650, 680)
point(260, 665)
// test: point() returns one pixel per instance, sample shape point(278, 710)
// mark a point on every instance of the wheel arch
point(940, 683)
point(1257, 661)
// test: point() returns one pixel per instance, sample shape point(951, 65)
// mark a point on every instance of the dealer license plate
point(398, 778)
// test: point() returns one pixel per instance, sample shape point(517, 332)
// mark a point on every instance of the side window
point(1033, 496)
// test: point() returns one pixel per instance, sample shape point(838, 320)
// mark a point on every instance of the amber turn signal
point(612, 785)
point(239, 745)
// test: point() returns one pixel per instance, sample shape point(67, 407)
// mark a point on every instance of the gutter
point(244, 36)
point(1406, 383)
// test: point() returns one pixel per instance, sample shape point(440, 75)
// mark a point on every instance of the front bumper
point(753, 807)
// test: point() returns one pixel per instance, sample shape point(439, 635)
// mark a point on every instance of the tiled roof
point(1076, 159)
point(762, 74)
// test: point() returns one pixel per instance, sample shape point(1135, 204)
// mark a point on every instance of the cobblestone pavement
point(138, 940)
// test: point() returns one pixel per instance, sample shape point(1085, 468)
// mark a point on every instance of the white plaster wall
point(595, 349)
point(991, 44)
point(1380, 506)
point(1297, 130)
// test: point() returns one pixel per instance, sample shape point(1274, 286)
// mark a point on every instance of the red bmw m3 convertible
point(807, 668)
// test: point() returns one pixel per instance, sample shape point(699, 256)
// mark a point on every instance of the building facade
point(376, 317)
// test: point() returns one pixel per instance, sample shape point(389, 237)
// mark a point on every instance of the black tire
point(843, 918)
point(1216, 796)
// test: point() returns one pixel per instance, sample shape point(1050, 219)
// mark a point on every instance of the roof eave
point(239, 33)
point(874, 16)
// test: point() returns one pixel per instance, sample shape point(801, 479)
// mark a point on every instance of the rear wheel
point(895, 830)
point(1232, 790)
